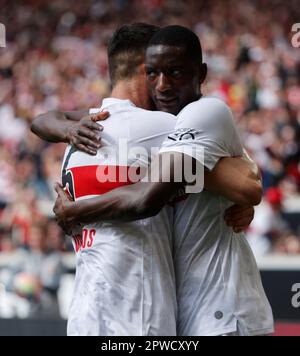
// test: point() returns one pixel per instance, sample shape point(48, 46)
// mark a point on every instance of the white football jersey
point(125, 284)
point(218, 282)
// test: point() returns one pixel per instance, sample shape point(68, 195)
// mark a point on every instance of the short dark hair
point(181, 37)
point(127, 48)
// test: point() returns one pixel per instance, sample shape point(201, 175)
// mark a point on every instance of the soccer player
point(125, 284)
point(130, 212)
point(219, 289)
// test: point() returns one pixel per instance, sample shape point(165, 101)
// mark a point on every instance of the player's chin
point(169, 107)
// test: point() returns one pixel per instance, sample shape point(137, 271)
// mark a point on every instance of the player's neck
point(129, 90)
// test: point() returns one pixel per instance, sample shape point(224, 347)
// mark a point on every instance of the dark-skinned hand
point(239, 217)
point(85, 135)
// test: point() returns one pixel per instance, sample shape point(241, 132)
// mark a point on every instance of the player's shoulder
point(208, 104)
point(159, 115)
point(150, 124)
point(208, 110)
point(153, 121)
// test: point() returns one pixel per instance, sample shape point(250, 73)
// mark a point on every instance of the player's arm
point(142, 200)
point(134, 202)
point(237, 179)
point(54, 126)
point(77, 128)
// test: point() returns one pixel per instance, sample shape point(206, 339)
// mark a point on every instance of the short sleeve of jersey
point(206, 131)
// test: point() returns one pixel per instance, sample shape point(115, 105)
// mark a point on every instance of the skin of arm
point(143, 200)
point(237, 179)
point(53, 126)
point(77, 128)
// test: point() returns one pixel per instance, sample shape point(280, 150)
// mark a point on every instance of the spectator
point(37, 275)
point(269, 231)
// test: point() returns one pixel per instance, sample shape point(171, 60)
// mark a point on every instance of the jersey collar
point(107, 102)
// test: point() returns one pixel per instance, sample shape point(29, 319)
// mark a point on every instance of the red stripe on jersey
point(98, 180)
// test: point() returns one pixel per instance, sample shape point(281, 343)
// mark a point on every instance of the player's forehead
point(165, 56)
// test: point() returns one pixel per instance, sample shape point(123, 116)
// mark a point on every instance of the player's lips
point(166, 101)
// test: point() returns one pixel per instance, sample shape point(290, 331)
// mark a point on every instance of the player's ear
point(203, 72)
point(142, 69)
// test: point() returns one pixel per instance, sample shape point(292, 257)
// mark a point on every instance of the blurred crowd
point(55, 59)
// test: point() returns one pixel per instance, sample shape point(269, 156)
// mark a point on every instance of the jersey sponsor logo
point(84, 241)
point(183, 134)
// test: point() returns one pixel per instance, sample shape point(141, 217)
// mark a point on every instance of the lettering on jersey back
point(84, 241)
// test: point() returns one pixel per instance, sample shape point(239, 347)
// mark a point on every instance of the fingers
point(58, 188)
point(89, 150)
point(240, 221)
point(236, 209)
point(87, 133)
point(62, 195)
point(238, 212)
point(239, 218)
point(85, 145)
point(90, 124)
point(238, 230)
point(56, 211)
point(88, 138)
point(101, 116)
point(245, 221)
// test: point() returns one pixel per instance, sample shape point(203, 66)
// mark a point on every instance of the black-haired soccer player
point(208, 255)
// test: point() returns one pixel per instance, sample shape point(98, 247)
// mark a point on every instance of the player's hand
point(85, 135)
point(239, 217)
point(62, 209)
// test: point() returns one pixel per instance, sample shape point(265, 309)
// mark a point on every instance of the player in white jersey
point(125, 282)
point(219, 287)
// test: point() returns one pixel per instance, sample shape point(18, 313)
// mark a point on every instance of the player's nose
point(163, 84)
